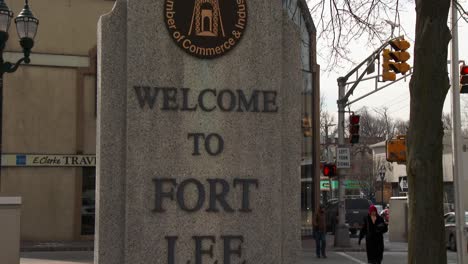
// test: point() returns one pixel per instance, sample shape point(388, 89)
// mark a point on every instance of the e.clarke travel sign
point(48, 160)
point(206, 28)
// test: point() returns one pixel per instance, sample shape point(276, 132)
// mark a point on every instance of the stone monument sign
point(198, 157)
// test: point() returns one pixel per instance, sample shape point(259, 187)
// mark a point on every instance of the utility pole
point(342, 233)
point(457, 142)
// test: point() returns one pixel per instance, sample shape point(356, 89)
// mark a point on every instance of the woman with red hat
point(373, 229)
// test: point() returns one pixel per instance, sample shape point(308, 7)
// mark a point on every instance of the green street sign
point(349, 184)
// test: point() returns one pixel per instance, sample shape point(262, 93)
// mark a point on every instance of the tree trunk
point(428, 88)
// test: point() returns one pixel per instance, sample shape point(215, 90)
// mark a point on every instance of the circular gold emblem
point(206, 28)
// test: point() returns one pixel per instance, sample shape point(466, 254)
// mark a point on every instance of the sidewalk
point(309, 244)
point(28, 246)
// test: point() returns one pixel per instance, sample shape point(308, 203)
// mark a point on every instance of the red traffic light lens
point(329, 170)
point(463, 70)
point(354, 119)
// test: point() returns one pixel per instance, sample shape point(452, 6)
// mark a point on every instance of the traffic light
point(464, 79)
point(387, 75)
point(354, 128)
point(394, 61)
point(307, 126)
point(329, 170)
point(399, 55)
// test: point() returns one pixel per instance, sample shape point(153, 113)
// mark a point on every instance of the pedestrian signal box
point(396, 149)
point(329, 170)
point(464, 79)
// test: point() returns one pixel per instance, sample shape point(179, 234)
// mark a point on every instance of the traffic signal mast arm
point(370, 60)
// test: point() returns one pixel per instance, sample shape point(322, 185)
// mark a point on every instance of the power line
point(395, 100)
point(398, 103)
point(401, 109)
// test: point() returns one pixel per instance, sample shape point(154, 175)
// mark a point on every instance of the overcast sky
point(396, 96)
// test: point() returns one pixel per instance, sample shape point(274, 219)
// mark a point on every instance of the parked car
point(450, 235)
point(356, 210)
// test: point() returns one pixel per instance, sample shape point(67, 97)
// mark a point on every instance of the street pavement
point(307, 257)
point(395, 253)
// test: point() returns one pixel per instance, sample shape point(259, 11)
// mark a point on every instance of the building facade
point(394, 172)
point(49, 119)
point(298, 12)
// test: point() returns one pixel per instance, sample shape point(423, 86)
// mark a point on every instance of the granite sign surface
point(198, 157)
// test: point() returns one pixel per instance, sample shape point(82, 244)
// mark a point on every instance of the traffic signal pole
point(341, 232)
point(457, 143)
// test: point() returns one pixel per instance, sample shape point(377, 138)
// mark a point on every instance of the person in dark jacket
point(373, 229)
point(320, 230)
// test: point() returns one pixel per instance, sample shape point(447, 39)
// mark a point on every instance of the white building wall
point(395, 170)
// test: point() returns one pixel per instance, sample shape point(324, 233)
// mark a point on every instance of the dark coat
point(320, 222)
point(374, 238)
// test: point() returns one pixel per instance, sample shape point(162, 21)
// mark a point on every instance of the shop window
point(88, 200)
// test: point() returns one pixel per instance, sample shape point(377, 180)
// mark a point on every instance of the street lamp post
point(26, 27)
point(382, 178)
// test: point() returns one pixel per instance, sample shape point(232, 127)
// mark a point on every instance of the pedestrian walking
point(373, 228)
point(320, 231)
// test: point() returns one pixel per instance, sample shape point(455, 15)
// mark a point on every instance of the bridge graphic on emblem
point(206, 19)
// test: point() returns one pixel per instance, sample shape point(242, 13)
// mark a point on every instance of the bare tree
point(328, 129)
point(327, 121)
point(363, 171)
point(342, 21)
point(446, 121)
point(388, 122)
point(401, 127)
point(366, 168)
point(376, 124)
point(464, 101)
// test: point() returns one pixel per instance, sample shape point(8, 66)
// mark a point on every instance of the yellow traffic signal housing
point(387, 75)
point(307, 126)
point(400, 44)
point(396, 149)
point(399, 55)
point(399, 67)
